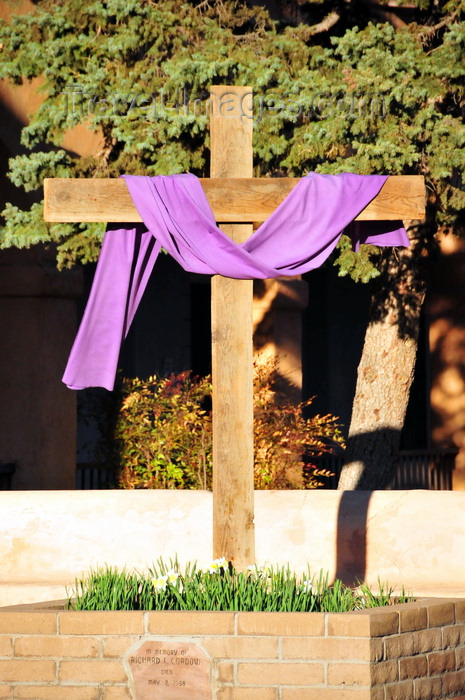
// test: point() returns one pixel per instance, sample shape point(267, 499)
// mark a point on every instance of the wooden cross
point(237, 200)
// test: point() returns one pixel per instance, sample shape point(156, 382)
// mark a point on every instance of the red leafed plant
point(287, 438)
point(161, 435)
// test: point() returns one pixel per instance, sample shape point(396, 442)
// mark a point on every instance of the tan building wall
point(37, 413)
point(446, 313)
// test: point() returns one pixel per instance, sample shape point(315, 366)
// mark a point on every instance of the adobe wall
point(410, 538)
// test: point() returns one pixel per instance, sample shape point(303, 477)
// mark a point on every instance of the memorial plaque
point(170, 671)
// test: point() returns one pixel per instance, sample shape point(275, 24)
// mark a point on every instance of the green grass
point(269, 589)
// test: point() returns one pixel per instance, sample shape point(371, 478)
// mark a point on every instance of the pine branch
point(429, 32)
point(304, 32)
point(384, 15)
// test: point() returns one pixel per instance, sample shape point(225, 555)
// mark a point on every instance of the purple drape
point(298, 237)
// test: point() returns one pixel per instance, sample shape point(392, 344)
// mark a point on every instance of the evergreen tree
point(353, 86)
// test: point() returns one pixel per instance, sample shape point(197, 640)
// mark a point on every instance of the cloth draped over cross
point(298, 237)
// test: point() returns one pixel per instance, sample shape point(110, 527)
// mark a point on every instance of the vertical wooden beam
point(232, 352)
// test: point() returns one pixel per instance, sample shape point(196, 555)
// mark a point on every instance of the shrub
point(160, 435)
point(163, 433)
point(286, 439)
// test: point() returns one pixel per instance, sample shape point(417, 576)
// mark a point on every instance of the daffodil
point(159, 584)
point(172, 576)
point(260, 570)
point(217, 565)
point(306, 586)
point(264, 570)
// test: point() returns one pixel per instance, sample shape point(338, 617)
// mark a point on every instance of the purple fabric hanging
point(298, 236)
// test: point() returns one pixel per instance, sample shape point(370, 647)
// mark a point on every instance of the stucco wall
point(410, 538)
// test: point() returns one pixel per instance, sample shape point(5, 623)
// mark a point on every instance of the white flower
point(260, 570)
point(160, 583)
point(216, 565)
point(265, 570)
point(172, 576)
point(306, 586)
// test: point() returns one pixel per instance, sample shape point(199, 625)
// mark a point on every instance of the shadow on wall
point(372, 453)
point(351, 543)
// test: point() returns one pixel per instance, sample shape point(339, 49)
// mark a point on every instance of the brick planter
point(410, 651)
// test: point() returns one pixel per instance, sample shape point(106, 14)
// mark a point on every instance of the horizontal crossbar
point(232, 200)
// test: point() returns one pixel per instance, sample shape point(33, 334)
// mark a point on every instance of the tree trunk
point(386, 368)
